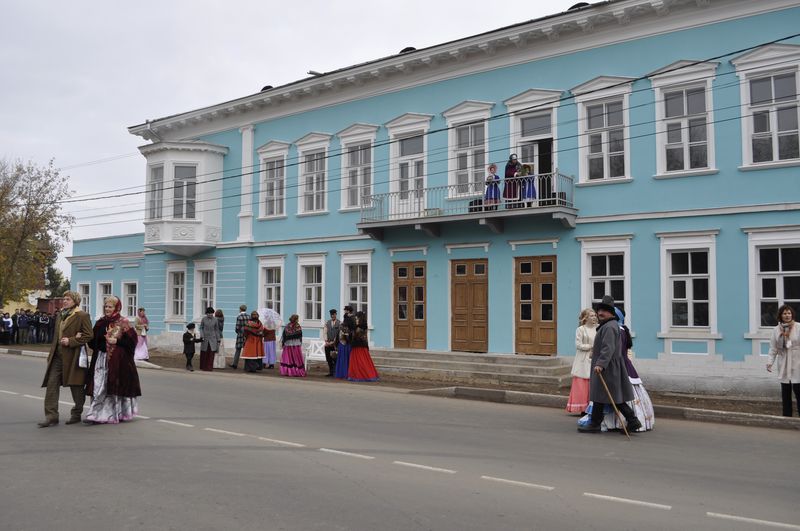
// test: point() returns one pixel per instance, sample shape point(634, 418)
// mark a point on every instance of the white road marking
point(35, 397)
point(8, 392)
point(518, 483)
point(349, 454)
point(286, 443)
point(628, 501)
point(425, 467)
point(176, 423)
point(225, 432)
point(753, 521)
point(142, 417)
point(66, 403)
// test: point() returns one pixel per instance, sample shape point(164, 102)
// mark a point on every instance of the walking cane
point(610, 399)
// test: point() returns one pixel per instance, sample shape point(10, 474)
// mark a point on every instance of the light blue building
point(663, 141)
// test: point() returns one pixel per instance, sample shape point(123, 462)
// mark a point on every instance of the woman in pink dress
point(292, 363)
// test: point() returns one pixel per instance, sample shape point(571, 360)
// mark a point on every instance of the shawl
point(253, 327)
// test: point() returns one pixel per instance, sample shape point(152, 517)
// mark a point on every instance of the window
point(607, 277)
point(206, 290)
point(273, 187)
point(358, 175)
point(312, 292)
point(104, 289)
point(155, 193)
point(356, 289)
point(271, 283)
point(407, 134)
point(177, 287)
point(606, 138)
point(686, 128)
point(412, 167)
point(774, 118)
point(778, 281)
point(130, 299)
point(689, 288)
point(606, 270)
point(83, 289)
point(184, 192)
point(533, 133)
point(470, 157)
point(313, 179)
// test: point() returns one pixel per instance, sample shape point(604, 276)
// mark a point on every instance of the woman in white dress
point(219, 355)
point(142, 325)
point(584, 340)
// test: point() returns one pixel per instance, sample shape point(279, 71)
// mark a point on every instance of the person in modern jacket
point(607, 363)
point(582, 364)
point(784, 349)
point(73, 330)
point(209, 331)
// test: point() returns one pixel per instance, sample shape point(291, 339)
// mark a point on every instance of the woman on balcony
point(511, 185)
point(527, 186)
point(491, 197)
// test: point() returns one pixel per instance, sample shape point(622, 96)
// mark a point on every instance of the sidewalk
point(674, 405)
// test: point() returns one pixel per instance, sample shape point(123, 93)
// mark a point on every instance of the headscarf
point(142, 318)
point(109, 320)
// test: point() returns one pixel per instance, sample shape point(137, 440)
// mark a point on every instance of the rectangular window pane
point(596, 168)
point(700, 317)
point(598, 290)
point(768, 259)
point(673, 104)
point(785, 87)
point(787, 119)
point(616, 265)
point(762, 149)
point(700, 263)
point(769, 311)
point(761, 90)
point(680, 263)
point(696, 101)
point(616, 166)
point(535, 125)
point(598, 265)
point(595, 118)
point(411, 146)
point(769, 288)
point(791, 288)
point(788, 147)
point(761, 122)
point(674, 132)
point(675, 158)
point(700, 289)
point(617, 290)
point(790, 259)
point(698, 156)
point(697, 130)
point(680, 314)
point(614, 111)
point(679, 289)
point(547, 312)
point(525, 292)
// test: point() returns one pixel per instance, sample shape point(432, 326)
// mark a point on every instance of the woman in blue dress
point(491, 197)
point(527, 185)
point(345, 338)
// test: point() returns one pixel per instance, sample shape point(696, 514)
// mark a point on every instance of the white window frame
point(175, 267)
point(602, 90)
point(467, 113)
point(349, 258)
point(684, 75)
point(100, 295)
point(774, 59)
point(355, 135)
point(688, 242)
point(277, 262)
point(200, 267)
point(533, 102)
point(184, 188)
point(272, 151)
point(125, 296)
point(312, 144)
point(155, 192)
point(85, 297)
point(308, 260)
point(605, 245)
point(757, 238)
point(404, 126)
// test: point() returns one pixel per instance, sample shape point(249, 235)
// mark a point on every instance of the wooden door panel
point(535, 305)
point(469, 305)
point(410, 305)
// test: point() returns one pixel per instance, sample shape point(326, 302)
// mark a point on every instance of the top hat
point(606, 304)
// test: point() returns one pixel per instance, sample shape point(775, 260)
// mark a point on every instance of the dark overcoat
point(123, 378)
point(607, 353)
point(77, 321)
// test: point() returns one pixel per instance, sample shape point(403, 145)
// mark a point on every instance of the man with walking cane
point(609, 382)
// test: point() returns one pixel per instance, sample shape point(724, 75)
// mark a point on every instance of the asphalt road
point(228, 451)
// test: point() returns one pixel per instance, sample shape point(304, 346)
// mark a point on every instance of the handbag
point(83, 358)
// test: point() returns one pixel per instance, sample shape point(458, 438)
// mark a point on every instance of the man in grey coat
point(607, 361)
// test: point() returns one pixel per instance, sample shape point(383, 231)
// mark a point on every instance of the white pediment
point(767, 56)
point(409, 121)
point(533, 98)
point(683, 71)
point(273, 146)
point(313, 141)
point(359, 130)
point(469, 110)
point(601, 87)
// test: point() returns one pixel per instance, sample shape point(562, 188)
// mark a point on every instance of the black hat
point(190, 326)
point(348, 308)
point(606, 304)
point(209, 310)
point(332, 311)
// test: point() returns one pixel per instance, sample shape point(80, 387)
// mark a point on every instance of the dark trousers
point(54, 379)
point(236, 354)
point(786, 397)
point(598, 410)
point(330, 357)
point(189, 359)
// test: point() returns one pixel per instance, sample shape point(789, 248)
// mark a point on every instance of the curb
point(140, 364)
point(557, 401)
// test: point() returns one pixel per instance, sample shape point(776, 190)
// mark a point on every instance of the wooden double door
point(535, 307)
point(410, 305)
point(469, 305)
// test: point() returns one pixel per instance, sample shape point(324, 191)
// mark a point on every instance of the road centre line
point(425, 467)
point(628, 501)
point(766, 523)
point(172, 422)
point(286, 443)
point(34, 397)
point(225, 432)
point(518, 483)
point(142, 417)
point(349, 454)
point(8, 392)
point(66, 403)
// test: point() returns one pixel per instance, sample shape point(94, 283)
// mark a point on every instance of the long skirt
point(141, 352)
point(641, 405)
point(578, 395)
point(342, 361)
point(105, 408)
point(207, 360)
point(269, 353)
point(292, 363)
point(219, 357)
point(361, 367)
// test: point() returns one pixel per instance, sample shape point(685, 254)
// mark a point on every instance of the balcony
point(426, 209)
point(183, 237)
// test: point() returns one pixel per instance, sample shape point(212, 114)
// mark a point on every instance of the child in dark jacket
point(189, 339)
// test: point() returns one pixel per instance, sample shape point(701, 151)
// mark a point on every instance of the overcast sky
point(76, 74)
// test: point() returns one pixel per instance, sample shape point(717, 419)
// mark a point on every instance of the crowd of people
point(25, 327)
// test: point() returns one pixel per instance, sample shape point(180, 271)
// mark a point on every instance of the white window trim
point(767, 60)
point(88, 308)
point(175, 267)
point(271, 261)
point(150, 190)
point(274, 149)
point(354, 135)
point(687, 77)
point(124, 296)
point(530, 103)
point(356, 257)
point(689, 241)
point(303, 260)
point(468, 112)
point(99, 296)
point(763, 237)
point(403, 126)
point(601, 90)
point(312, 142)
point(607, 245)
point(199, 266)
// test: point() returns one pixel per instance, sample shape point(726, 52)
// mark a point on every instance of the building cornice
point(104, 257)
point(182, 146)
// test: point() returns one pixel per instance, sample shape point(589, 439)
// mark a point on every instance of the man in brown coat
point(73, 330)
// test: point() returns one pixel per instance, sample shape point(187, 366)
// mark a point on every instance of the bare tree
point(35, 224)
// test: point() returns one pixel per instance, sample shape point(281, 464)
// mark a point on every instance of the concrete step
point(503, 359)
point(473, 366)
point(473, 377)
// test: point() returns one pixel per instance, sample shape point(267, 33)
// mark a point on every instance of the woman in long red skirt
point(361, 367)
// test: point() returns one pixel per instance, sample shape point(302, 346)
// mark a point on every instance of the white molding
point(405, 125)
point(686, 173)
point(408, 123)
point(84, 268)
point(313, 141)
point(533, 100)
point(303, 260)
point(604, 238)
point(98, 257)
point(103, 267)
point(607, 244)
point(478, 245)
point(516, 243)
point(601, 88)
point(789, 163)
point(247, 167)
point(358, 131)
point(688, 234)
point(296, 241)
point(604, 182)
point(468, 110)
point(719, 211)
point(349, 258)
point(420, 248)
point(129, 266)
point(279, 261)
point(683, 72)
point(192, 146)
point(274, 148)
point(777, 228)
point(356, 252)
